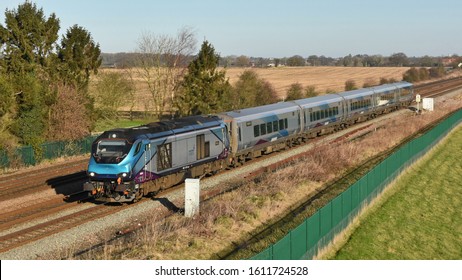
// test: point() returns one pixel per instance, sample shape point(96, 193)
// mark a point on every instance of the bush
point(295, 92)
point(350, 85)
point(310, 91)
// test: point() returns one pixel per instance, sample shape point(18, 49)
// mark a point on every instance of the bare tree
point(163, 59)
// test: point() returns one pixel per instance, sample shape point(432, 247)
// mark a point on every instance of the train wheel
point(138, 194)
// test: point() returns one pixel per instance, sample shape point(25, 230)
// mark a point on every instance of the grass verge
point(418, 217)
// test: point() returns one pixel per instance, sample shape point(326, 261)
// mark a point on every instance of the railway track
point(60, 177)
point(438, 88)
point(30, 234)
point(21, 184)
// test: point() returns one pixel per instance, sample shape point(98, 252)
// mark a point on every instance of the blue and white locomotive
point(128, 163)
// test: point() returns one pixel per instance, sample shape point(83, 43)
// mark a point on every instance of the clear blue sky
point(271, 28)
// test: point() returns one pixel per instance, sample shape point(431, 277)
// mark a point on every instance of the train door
point(202, 147)
point(191, 147)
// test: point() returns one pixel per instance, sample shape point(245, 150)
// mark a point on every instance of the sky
point(270, 28)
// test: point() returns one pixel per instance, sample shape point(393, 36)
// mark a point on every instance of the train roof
point(363, 92)
point(393, 86)
point(262, 111)
point(163, 128)
point(317, 100)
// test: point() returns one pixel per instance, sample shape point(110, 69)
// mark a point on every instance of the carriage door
point(203, 148)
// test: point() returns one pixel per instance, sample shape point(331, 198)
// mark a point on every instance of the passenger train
point(127, 164)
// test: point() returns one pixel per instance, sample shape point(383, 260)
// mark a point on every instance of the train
point(127, 164)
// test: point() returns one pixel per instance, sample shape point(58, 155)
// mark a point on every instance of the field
point(419, 217)
point(322, 78)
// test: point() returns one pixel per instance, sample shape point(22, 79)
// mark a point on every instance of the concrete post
point(192, 197)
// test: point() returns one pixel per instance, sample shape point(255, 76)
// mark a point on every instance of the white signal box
point(427, 104)
point(192, 197)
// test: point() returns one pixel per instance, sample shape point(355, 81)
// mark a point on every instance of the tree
point(250, 91)
point(7, 112)
point(398, 59)
point(162, 63)
point(203, 89)
point(79, 56)
point(28, 38)
point(111, 91)
point(411, 75)
point(70, 106)
point(310, 91)
point(34, 66)
point(314, 60)
point(27, 42)
point(295, 92)
point(242, 61)
point(31, 117)
point(296, 60)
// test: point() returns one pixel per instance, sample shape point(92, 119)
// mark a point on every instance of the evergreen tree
point(204, 88)
point(79, 56)
point(28, 38)
point(33, 72)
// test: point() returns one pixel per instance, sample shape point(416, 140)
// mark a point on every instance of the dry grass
point(328, 78)
point(237, 215)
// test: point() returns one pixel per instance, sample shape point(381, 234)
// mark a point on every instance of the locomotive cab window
point(111, 151)
point(137, 149)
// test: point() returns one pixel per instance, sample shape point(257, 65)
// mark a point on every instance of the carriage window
point(164, 156)
point(256, 130)
point(263, 128)
point(286, 123)
point(281, 124)
point(269, 127)
point(275, 126)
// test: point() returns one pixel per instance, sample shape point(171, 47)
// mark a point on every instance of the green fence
point(317, 231)
point(26, 155)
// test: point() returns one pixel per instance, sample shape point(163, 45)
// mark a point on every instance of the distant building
point(449, 60)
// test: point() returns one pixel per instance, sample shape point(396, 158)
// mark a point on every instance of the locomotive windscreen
point(111, 151)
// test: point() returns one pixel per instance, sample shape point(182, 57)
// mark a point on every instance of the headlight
point(92, 174)
point(123, 175)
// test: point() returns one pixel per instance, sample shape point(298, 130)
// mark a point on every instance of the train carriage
point(358, 104)
point(259, 129)
point(321, 113)
point(406, 93)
